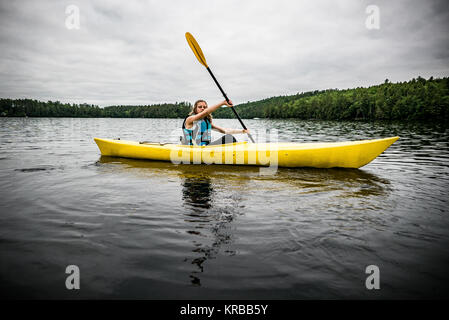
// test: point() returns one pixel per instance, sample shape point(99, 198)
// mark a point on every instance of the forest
point(417, 99)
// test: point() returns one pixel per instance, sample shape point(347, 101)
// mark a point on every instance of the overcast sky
point(135, 52)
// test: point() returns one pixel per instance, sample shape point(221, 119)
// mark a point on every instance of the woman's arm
point(227, 130)
point(205, 112)
point(218, 128)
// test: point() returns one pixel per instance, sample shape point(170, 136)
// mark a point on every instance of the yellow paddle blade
point(196, 49)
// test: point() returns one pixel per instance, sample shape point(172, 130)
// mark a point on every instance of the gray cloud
point(135, 52)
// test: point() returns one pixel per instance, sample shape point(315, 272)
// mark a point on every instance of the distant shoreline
point(418, 99)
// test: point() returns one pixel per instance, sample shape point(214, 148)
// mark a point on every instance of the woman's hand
point(245, 131)
point(229, 104)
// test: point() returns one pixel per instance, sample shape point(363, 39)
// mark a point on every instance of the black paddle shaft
point(227, 100)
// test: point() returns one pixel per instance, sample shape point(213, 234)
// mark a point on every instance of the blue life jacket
point(199, 135)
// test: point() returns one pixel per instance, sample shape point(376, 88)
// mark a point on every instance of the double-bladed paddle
point(200, 56)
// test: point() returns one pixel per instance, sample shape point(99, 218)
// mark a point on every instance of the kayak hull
point(349, 154)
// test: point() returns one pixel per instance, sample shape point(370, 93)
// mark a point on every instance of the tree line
point(35, 108)
point(417, 99)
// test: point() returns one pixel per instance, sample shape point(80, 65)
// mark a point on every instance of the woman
point(197, 126)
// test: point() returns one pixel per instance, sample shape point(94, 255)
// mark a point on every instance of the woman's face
point(201, 106)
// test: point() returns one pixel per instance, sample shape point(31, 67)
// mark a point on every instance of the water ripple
point(222, 231)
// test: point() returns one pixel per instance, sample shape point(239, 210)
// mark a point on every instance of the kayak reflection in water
point(197, 127)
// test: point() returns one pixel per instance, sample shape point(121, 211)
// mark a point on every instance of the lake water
point(155, 230)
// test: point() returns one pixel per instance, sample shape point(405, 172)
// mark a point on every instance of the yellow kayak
point(349, 154)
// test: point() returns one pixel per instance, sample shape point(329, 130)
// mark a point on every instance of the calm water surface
point(151, 230)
